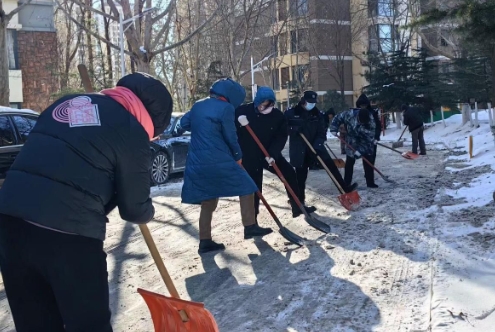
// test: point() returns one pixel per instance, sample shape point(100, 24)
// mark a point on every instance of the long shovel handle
point(339, 187)
point(331, 151)
point(158, 261)
point(366, 160)
point(388, 147)
point(277, 170)
point(402, 133)
point(161, 267)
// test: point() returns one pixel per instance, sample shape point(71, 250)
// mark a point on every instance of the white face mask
point(310, 106)
point(266, 110)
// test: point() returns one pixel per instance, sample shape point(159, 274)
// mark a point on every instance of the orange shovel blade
point(339, 163)
point(410, 155)
point(350, 200)
point(166, 317)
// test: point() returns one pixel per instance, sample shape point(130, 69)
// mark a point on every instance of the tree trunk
point(106, 23)
point(4, 63)
point(142, 65)
point(91, 56)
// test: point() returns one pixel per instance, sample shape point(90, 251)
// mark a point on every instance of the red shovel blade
point(166, 317)
point(410, 155)
point(350, 200)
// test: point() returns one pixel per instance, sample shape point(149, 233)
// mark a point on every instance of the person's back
point(86, 155)
point(66, 171)
point(413, 118)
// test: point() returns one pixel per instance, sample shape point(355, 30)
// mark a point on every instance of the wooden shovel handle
point(339, 187)
point(158, 261)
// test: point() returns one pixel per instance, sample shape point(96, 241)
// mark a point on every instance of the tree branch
point(80, 4)
point(192, 34)
point(90, 32)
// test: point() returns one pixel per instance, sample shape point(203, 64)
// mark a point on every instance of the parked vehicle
point(15, 126)
point(169, 153)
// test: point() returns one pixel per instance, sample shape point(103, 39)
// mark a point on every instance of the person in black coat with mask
point(305, 118)
point(270, 125)
point(86, 155)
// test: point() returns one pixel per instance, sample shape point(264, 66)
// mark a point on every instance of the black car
point(15, 126)
point(169, 153)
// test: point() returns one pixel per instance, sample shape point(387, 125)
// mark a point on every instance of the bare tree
point(144, 43)
point(5, 18)
point(69, 39)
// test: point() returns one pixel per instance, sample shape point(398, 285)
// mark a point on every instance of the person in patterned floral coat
point(361, 136)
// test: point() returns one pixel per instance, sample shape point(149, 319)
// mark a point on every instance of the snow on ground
point(417, 256)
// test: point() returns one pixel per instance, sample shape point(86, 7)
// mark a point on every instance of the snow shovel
point(171, 314)
point(368, 162)
point(321, 226)
point(285, 232)
point(399, 143)
point(348, 200)
point(408, 155)
point(340, 163)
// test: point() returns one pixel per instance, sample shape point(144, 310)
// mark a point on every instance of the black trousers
point(255, 171)
point(54, 282)
point(302, 173)
point(369, 173)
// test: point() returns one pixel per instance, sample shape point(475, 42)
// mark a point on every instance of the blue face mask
point(310, 106)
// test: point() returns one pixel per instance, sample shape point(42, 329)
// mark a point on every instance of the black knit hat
point(154, 96)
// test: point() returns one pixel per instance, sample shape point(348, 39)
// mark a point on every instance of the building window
point(298, 8)
point(384, 38)
point(300, 73)
point(12, 49)
point(385, 8)
point(293, 42)
point(284, 73)
point(299, 41)
point(282, 43)
point(275, 80)
point(282, 10)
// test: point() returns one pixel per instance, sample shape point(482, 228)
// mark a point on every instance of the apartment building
point(32, 50)
point(323, 44)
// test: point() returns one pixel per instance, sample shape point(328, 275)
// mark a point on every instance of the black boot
point(372, 185)
point(209, 245)
point(255, 230)
point(351, 187)
point(296, 211)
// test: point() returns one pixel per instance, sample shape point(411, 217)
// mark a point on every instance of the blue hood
point(229, 89)
point(264, 93)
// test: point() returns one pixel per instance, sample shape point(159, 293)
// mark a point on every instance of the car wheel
point(160, 168)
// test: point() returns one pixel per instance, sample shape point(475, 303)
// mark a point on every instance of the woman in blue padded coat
point(214, 161)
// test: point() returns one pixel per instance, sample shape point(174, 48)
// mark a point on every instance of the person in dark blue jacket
point(214, 161)
point(87, 154)
point(270, 126)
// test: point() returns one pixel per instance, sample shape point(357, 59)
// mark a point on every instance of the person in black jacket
point(86, 155)
point(270, 125)
point(305, 118)
point(413, 119)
